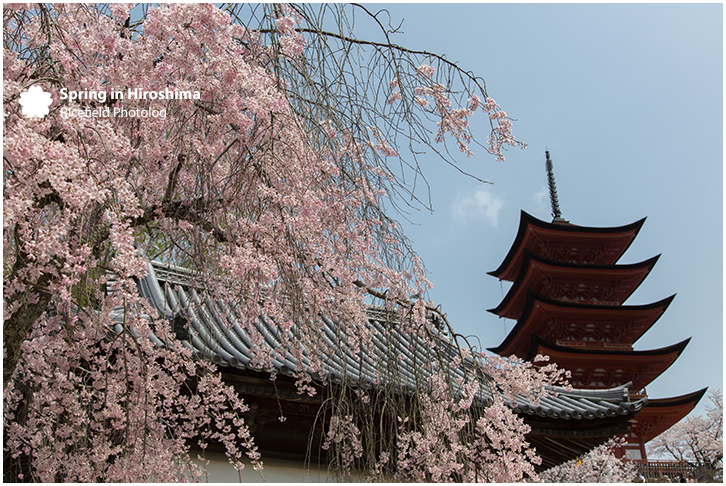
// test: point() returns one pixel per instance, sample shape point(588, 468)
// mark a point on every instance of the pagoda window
point(560, 252)
point(568, 292)
point(633, 454)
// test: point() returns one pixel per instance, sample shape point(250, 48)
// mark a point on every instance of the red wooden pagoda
point(568, 296)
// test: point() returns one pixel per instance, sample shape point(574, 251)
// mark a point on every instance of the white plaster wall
point(275, 471)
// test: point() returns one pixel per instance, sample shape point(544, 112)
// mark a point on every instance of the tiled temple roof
point(393, 358)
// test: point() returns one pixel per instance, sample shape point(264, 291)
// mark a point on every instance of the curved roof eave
point(537, 342)
point(531, 257)
point(662, 413)
point(527, 219)
point(533, 297)
point(689, 398)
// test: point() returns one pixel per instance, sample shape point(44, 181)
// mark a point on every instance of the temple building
point(564, 425)
point(568, 297)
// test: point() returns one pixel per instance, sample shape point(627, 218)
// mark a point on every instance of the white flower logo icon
point(35, 102)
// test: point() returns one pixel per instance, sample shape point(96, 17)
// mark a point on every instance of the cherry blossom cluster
point(231, 187)
point(444, 443)
point(600, 465)
point(345, 436)
point(454, 122)
point(291, 41)
point(457, 430)
point(381, 145)
point(501, 129)
point(698, 439)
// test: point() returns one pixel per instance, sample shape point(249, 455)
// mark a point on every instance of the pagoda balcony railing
point(594, 344)
point(627, 346)
point(670, 470)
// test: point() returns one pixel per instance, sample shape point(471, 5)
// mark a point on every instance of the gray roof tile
point(217, 334)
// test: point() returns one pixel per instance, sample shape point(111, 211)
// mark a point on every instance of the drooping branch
point(479, 82)
point(275, 189)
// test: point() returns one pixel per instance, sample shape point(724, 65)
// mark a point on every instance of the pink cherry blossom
point(269, 220)
point(426, 71)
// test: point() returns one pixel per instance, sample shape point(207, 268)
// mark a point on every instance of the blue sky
point(629, 101)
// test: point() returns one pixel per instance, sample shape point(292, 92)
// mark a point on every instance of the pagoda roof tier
point(588, 325)
point(662, 413)
point(573, 282)
point(604, 368)
point(566, 242)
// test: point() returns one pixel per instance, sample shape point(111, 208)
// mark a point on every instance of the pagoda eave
point(640, 367)
point(532, 231)
point(621, 325)
point(563, 281)
point(662, 413)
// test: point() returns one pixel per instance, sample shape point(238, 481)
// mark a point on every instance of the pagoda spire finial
point(556, 213)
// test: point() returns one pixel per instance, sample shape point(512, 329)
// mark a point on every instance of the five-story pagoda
point(568, 297)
